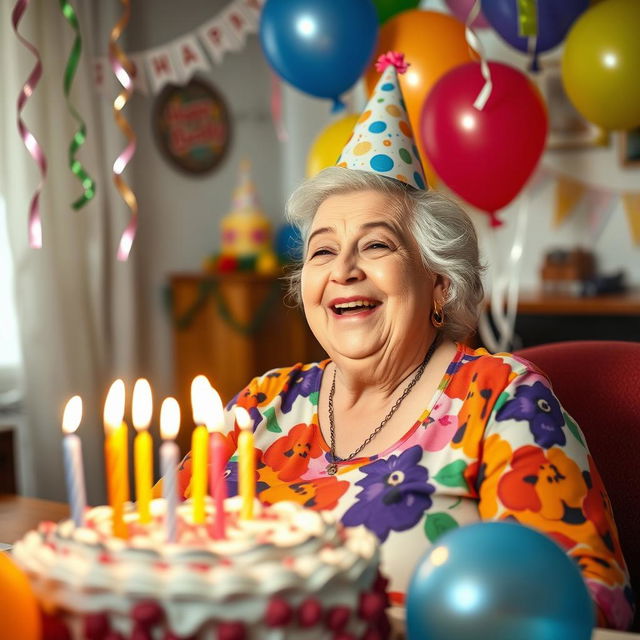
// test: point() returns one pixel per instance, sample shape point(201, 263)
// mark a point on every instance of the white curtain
point(75, 302)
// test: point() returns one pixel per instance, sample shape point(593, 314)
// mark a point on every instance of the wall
point(179, 215)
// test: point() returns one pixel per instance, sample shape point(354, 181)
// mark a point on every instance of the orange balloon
point(433, 43)
point(19, 612)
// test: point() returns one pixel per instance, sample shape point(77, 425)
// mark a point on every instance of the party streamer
point(474, 42)
point(80, 136)
point(35, 224)
point(123, 70)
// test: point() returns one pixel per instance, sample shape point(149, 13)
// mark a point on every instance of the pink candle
point(217, 463)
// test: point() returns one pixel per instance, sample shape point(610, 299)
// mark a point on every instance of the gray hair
point(444, 232)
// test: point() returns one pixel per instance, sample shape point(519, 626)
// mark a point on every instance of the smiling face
point(365, 289)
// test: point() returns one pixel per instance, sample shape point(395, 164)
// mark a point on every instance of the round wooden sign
point(192, 126)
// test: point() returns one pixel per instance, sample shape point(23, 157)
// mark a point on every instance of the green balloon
point(388, 8)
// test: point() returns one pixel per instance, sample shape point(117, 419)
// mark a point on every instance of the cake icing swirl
point(287, 554)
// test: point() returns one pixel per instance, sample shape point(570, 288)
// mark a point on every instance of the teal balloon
point(388, 8)
point(498, 581)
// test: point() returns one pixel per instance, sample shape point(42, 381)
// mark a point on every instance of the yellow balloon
point(19, 613)
point(600, 64)
point(328, 144)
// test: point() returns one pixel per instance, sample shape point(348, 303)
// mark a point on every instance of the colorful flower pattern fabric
point(493, 443)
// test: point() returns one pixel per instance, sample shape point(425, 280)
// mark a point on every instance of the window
point(10, 356)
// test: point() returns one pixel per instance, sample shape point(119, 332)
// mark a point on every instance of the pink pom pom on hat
point(382, 141)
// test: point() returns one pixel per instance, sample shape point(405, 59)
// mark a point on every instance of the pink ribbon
point(35, 223)
point(393, 58)
point(276, 108)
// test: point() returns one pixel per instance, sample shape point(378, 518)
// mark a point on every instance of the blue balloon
point(288, 243)
point(554, 19)
point(498, 581)
point(319, 46)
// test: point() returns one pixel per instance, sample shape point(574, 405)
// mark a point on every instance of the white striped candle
point(169, 451)
point(73, 468)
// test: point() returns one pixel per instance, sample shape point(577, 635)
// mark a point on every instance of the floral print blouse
point(492, 443)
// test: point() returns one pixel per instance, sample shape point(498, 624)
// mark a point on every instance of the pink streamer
point(35, 223)
point(276, 108)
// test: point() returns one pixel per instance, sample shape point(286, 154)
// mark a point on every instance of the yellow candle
point(246, 463)
point(200, 396)
point(142, 409)
point(115, 450)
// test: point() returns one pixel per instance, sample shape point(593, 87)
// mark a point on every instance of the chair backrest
point(598, 384)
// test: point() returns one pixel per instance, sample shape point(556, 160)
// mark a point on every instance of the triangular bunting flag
point(568, 193)
point(632, 207)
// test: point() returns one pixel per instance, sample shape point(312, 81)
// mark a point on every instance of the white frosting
point(286, 550)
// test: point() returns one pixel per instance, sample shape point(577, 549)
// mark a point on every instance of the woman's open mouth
point(354, 307)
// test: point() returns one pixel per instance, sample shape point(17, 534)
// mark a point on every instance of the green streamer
point(88, 184)
point(527, 18)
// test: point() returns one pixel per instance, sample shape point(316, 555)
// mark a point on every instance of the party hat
point(382, 141)
point(245, 231)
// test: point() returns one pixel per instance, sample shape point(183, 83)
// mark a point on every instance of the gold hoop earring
point(437, 315)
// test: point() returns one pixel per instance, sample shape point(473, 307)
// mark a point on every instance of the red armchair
point(598, 383)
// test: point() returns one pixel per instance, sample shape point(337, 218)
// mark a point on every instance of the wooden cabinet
point(232, 327)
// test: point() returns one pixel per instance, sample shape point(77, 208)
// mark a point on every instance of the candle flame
point(142, 404)
point(72, 414)
point(169, 418)
point(243, 419)
point(215, 415)
point(114, 406)
point(200, 399)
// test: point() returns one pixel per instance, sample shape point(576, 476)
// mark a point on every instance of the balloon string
point(88, 184)
point(30, 142)
point(276, 108)
point(474, 42)
point(123, 70)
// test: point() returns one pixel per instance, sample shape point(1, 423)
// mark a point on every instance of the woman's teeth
point(354, 306)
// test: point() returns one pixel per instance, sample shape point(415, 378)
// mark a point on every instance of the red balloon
point(487, 155)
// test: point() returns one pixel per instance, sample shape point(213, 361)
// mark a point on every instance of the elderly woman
point(404, 429)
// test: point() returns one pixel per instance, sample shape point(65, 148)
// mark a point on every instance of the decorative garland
point(210, 287)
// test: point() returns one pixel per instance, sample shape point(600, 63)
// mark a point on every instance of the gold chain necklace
point(332, 467)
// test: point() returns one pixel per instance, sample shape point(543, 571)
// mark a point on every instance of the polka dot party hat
point(382, 141)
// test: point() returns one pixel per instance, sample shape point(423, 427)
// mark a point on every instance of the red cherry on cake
point(309, 612)
point(231, 631)
point(279, 613)
point(96, 626)
point(54, 628)
point(344, 636)
point(147, 613)
point(337, 617)
point(381, 583)
point(141, 633)
point(114, 635)
point(372, 605)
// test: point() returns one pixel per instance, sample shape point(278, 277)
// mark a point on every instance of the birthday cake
point(288, 573)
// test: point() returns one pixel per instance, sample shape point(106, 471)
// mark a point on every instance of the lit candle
point(246, 463)
point(115, 449)
point(169, 425)
point(141, 410)
point(200, 397)
point(217, 458)
point(72, 450)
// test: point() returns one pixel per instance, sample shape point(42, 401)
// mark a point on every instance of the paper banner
point(599, 210)
point(188, 58)
point(139, 77)
point(631, 202)
point(176, 62)
point(218, 38)
point(567, 195)
point(160, 68)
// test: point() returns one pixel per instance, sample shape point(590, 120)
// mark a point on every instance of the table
point(19, 514)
